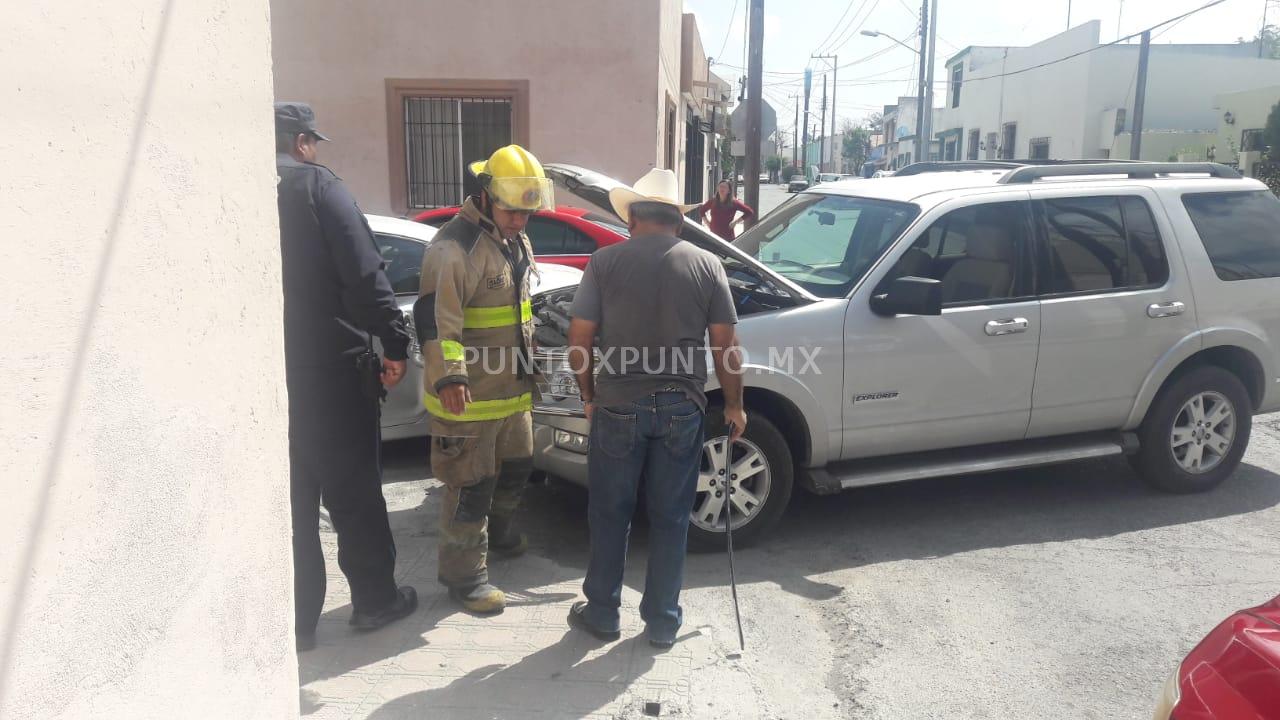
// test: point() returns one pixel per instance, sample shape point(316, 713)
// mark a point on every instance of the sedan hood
point(592, 188)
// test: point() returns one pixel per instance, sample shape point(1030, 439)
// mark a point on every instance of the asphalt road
point(1069, 591)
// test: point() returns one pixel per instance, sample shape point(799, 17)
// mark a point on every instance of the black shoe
point(304, 642)
point(662, 644)
point(406, 602)
point(579, 621)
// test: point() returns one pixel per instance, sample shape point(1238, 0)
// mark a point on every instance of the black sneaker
point(662, 644)
point(406, 602)
point(579, 621)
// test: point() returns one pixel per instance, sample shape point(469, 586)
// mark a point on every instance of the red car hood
point(1234, 673)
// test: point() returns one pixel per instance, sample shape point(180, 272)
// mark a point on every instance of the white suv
point(948, 323)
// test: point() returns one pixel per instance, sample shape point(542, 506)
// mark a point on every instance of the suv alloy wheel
point(1196, 432)
point(759, 482)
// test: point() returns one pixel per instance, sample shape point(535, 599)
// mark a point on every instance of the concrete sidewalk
point(525, 663)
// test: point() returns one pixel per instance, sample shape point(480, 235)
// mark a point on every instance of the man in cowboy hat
point(475, 323)
point(653, 300)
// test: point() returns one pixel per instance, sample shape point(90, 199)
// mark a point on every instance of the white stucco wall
point(1069, 101)
point(591, 70)
point(145, 569)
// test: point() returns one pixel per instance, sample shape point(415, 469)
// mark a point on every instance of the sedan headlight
point(1170, 694)
point(415, 349)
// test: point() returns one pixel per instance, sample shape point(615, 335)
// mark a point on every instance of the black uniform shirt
point(335, 290)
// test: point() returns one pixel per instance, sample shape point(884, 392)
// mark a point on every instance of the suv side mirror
point(909, 296)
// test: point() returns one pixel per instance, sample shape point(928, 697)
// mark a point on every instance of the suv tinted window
point(1093, 245)
point(980, 253)
point(403, 262)
point(1240, 231)
point(551, 237)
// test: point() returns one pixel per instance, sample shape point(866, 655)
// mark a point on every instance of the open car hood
point(592, 188)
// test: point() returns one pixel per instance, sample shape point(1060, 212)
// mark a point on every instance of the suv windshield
point(825, 243)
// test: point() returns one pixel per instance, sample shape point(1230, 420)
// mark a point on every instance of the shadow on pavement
point(915, 520)
point(588, 685)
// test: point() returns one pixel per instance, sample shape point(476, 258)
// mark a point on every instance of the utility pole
point(928, 83)
point(1068, 14)
point(755, 71)
point(822, 126)
point(795, 135)
point(1262, 35)
point(804, 146)
point(924, 59)
point(1140, 97)
point(835, 77)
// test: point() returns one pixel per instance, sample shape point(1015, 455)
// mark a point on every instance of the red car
point(1233, 674)
point(564, 236)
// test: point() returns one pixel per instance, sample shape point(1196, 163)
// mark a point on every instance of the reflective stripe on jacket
point(475, 319)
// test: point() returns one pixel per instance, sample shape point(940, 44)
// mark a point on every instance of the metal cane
point(727, 484)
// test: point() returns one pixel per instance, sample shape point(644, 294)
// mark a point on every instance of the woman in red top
point(723, 208)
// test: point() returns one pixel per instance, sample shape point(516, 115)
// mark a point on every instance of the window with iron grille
point(1008, 141)
point(1039, 148)
point(975, 140)
point(442, 135)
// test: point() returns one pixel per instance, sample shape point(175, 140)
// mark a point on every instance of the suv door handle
point(1006, 327)
point(1166, 309)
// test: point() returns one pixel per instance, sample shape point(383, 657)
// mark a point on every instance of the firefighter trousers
point(484, 466)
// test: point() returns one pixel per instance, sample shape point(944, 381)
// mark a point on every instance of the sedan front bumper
point(558, 459)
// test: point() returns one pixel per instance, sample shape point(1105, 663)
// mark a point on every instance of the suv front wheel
point(1195, 433)
point(758, 481)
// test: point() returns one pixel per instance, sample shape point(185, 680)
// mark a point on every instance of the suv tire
point(1192, 406)
point(764, 436)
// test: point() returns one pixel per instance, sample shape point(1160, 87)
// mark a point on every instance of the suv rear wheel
point(760, 478)
point(1195, 432)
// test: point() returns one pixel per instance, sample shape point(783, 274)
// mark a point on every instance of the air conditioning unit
point(1248, 159)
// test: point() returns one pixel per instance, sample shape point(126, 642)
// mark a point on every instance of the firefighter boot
point(483, 599)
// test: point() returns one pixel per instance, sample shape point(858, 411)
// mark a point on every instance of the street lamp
point(877, 33)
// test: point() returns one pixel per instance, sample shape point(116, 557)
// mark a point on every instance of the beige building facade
point(413, 91)
point(145, 567)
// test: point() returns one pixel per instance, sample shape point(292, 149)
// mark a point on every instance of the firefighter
point(474, 319)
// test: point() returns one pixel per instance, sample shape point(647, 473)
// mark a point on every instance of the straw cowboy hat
point(657, 186)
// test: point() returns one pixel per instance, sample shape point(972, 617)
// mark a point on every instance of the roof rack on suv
point(1029, 174)
point(956, 166)
point(933, 166)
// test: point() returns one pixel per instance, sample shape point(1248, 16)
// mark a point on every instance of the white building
point(1028, 102)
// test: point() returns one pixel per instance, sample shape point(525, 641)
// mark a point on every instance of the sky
point(879, 70)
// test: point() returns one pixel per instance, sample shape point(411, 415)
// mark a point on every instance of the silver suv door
point(962, 378)
point(1114, 299)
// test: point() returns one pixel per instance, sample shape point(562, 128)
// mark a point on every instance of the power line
point(854, 30)
point(729, 30)
point(1117, 41)
point(847, 8)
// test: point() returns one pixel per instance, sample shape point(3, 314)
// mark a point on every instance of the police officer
point(475, 323)
point(335, 296)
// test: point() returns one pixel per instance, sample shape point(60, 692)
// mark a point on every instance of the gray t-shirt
point(653, 298)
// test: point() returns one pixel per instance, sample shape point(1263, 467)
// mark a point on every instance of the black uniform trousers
point(335, 458)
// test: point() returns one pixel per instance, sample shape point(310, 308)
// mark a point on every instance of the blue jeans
point(659, 439)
